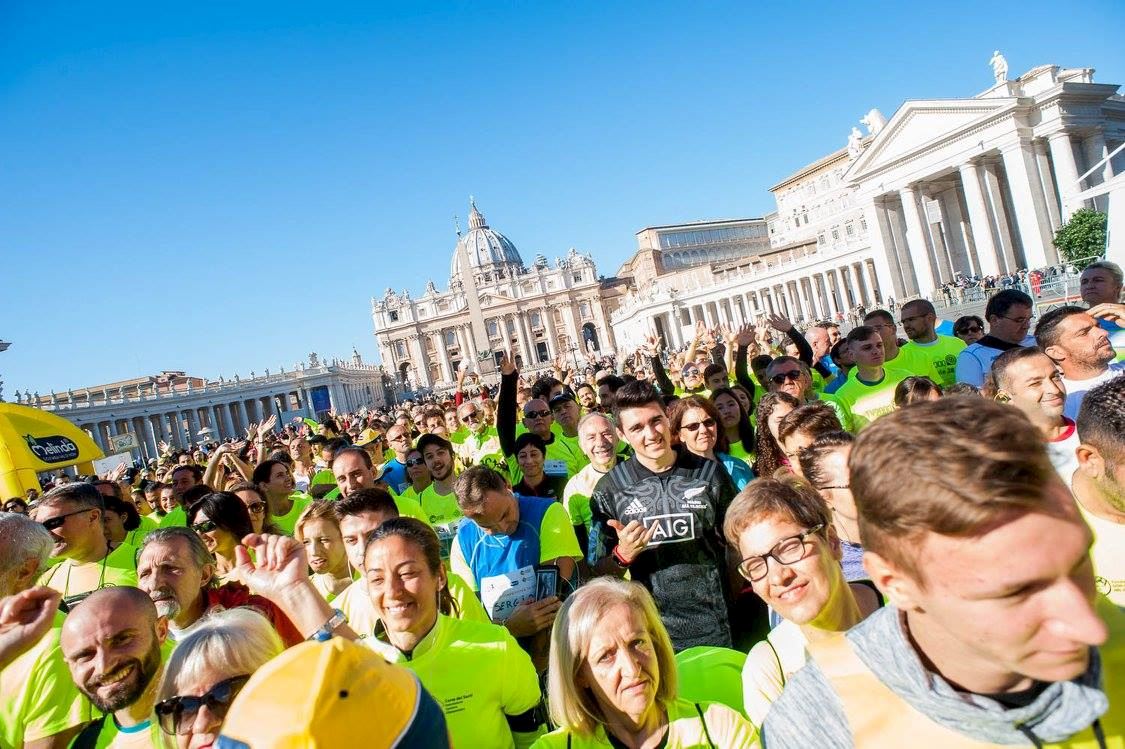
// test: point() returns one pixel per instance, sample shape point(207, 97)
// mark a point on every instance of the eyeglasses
point(536, 414)
point(415, 462)
point(1018, 320)
point(205, 527)
point(840, 486)
point(255, 507)
point(707, 423)
point(791, 376)
point(177, 714)
point(57, 521)
point(692, 372)
point(915, 317)
point(474, 416)
point(786, 551)
point(399, 438)
point(972, 329)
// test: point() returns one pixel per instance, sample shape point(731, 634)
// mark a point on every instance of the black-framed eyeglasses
point(256, 507)
point(694, 427)
point(922, 316)
point(1018, 320)
point(536, 414)
point(177, 714)
point(205, 527)
point(57, 521)
point(836, 486)
point(786, 551)
point(415, 462)
point(781, 377)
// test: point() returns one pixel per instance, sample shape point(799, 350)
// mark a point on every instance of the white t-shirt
point(1076, 389)
point(1061, 452)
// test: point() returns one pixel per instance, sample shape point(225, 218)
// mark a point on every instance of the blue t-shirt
point(1116, 336)
point(836, 383)
point(740, 473)
point(488, 556)
point(394, 473)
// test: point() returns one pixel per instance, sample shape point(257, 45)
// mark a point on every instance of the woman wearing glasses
point(791, 555)
point(255, 500)
point(969, 329)
point(694, 422)
point(206, 671)
point(221, 520)
point(418, 474)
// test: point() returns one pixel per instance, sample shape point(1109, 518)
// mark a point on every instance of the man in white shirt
point(1081, 349)
point(1029, 380)
point(1009, 317)
point(1100, 286)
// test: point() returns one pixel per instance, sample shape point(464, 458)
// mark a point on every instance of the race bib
point(504, 593)
point(554, 467)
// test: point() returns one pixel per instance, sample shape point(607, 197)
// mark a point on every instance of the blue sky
point(222, 187)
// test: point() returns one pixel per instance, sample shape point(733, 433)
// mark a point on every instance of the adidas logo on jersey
point(635, 508)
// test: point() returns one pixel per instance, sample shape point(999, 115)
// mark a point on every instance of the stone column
point(145, 436)
point(418, 359)
point(951, 231)
point(1046, 182)
point(1066, 172)
point(549, 334)
point(193, 425)
point(896, 225)
point(919, 252)
point(1029, 206)
point(524, 338)
point(980, 220)
point(1096, 151)
point(871, 277)
point(443, 355)
point(887, 270)
point(995, 196)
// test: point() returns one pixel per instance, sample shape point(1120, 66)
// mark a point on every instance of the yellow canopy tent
point(32, 440)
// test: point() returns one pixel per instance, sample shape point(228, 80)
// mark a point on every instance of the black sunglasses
point(792, 376)
point(694, 427)
point(176, 714)
point(57, 521)
point(415, 462)
point(972, 329)
point(536, 414)
point(205, 527)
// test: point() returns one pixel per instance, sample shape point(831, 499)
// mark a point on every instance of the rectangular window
point(849, 229)
point(541, 351)
point(577, 278)
point(393, 315)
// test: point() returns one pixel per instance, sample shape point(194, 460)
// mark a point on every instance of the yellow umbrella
point(33, 440)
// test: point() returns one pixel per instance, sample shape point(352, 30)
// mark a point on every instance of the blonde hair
point(234, 642)
point(319, 509)
point(575, 708)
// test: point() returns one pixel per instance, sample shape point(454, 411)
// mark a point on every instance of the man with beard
point(1100, 286)
point(73, 514)
point(112, 644)
point(1081, 349)
point(178, 573)
point(439, 503)
point(39, 704)
point(354, 470)
point(926, 345)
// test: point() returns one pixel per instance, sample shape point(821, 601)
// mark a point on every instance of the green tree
point(1081, 240)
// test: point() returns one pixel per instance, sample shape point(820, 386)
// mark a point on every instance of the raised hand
point(507, 363)
point(24, 618)
point(252, 431)
point(268, 425)
point(779, 323)
point(1111, 311)
point(700, 330)
point(744, 336)
point(632, 538)
point(279, 562)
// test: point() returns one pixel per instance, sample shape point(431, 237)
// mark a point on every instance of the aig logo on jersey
point(672, 528)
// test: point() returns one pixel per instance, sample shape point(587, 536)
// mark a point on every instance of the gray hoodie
point(809, 714)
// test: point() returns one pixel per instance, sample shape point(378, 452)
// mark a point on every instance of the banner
point(33, 441)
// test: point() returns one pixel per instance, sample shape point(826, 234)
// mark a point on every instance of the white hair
point(231, 642)
point(21, 538)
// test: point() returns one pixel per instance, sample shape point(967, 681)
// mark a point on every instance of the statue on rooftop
point(874, 121)
point(855, 141)
point(999, 66)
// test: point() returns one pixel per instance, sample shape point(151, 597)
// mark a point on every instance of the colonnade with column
point(827, 291)
point(992, 214)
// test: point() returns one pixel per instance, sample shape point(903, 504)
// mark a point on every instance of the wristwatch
point(324, 634)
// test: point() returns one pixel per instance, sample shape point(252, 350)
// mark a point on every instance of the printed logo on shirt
point(635, 508)
point(673, 528)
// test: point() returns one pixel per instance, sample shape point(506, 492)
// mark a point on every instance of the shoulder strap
point(777, 657)
point(88, 737)
point(703, 721)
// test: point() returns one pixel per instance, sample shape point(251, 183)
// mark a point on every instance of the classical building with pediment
point(493, 302)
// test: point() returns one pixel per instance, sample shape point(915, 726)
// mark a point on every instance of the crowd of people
point(773, 537)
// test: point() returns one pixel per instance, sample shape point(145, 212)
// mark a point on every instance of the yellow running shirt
point(37, 696)
point(941, 355)
point(76, 581)
point(867, 401)
point(443, 515)
point(691, 726)
point(288, 522)
point(478, 674)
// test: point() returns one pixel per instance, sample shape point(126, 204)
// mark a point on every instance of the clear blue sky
point(220, 187)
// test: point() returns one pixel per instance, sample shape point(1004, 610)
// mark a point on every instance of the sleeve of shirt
point(969, 369)
point(602, 536)
point(469, 606)
point(54, 703)
point(842, 412)
point(410, 508)
point(458, 566)
point(556, 535)
point(520, 689)
point(761, 682)
point(727, 728)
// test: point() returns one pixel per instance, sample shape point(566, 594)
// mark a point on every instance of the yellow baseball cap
point(332, 694)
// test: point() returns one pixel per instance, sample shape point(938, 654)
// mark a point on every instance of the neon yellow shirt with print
point(941, 355)
point(691, 725)
point(136, 536)
point(443, 515)
point(910, 362)
point(117, 569)
point(867, 401)
point(288, 522)
point(478, 674)
point(37, 696)
point(356, 605)
point(1108, 556)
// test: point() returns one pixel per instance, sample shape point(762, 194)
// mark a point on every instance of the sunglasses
point(255, 507)
point(691, 372)
point(205, 527)
point(972, 329)
point(177, 714)
point(536, 414)
point(415, 462)
point(57, 521)
point(474, 416)
point(791, 376)
point(694, 427)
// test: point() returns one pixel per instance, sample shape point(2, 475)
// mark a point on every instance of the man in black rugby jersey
point(659, 515)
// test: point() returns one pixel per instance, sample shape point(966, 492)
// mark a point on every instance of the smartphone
point(546, 581)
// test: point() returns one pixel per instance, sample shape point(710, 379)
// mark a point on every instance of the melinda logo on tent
point(54, 449)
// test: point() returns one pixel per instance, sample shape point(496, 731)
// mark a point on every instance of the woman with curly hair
point(771, 410)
